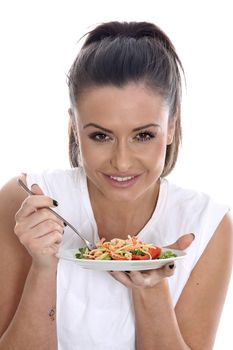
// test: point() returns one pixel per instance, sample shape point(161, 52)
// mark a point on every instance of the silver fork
point(89, 245)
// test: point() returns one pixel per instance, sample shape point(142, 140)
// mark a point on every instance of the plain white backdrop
point(38, 42)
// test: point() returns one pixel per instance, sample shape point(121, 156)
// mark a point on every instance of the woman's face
point(122, 135)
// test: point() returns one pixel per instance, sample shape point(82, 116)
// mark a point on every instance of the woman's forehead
point(131, 100)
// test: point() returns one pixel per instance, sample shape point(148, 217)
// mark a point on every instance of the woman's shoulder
point(11, 195)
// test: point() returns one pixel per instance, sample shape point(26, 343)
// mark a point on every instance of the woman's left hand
point(149, 278)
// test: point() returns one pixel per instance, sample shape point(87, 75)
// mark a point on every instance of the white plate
point(119, 265)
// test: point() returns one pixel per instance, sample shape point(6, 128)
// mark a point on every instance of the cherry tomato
point(154, 252)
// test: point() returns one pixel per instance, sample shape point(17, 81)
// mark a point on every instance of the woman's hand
point(149, 278)
point(38, 229)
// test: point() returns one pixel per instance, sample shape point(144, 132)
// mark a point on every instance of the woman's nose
point(122, 157)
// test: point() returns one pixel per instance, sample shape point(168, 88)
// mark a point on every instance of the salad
point(124, 249)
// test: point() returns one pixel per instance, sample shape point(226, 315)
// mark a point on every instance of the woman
point(125, 93)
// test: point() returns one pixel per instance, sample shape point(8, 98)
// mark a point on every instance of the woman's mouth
point(121, 181)
point(121, 178)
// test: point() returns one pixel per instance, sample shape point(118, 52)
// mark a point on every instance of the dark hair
point(117, 53)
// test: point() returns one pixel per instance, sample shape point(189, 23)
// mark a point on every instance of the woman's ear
point(171, 130)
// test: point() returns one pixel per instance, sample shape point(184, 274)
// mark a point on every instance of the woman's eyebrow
point(98, 127)
point(109, 131)
point(146, 126)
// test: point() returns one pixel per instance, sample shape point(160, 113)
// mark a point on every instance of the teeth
point(120, 178)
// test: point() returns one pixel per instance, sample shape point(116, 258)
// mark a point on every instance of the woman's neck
point(119, 219)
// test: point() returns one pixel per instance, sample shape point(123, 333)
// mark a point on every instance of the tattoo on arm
point(52, 313)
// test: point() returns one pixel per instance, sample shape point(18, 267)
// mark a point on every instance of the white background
point(38, 42)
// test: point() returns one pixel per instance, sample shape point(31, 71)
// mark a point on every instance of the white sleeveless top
point(94, 311)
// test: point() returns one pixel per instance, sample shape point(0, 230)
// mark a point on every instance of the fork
point(88, 244)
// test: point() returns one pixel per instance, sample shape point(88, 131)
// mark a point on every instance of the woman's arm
point(28, 289)
point(193, 323)
point(156, 323)
point(200, 305)
point(33, 325)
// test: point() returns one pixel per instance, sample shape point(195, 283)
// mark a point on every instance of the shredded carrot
point(118, 248)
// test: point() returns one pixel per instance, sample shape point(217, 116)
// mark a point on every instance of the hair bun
point(135, 30)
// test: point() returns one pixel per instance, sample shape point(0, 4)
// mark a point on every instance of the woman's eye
point(145, 136)
point(99, 137)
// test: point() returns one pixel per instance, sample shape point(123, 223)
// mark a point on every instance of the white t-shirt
point(94, 311)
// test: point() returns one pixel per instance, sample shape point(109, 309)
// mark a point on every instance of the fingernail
point(34, 185)
point(193, 235)
point(171, 266)
point(55, 203)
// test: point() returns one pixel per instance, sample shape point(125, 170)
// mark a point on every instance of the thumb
point(36, 189)
point(183, 242)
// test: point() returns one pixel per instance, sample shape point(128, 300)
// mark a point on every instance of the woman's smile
point(122, 181)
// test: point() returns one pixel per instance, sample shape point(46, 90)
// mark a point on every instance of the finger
point(122, 277)
point(36, 189)
point(25, 233)
point(183, 242)
point(46, 227)
point(144, 279)
point(41, 245)
point(169, 269)
point(32, 204)
point(43, 216)
point(140, 279)
point(51, 238)
point(51, 250)
point(149, 278)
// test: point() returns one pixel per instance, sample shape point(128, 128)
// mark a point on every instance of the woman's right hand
point(39, 230)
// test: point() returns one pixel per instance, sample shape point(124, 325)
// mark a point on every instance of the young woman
point(125, 93)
